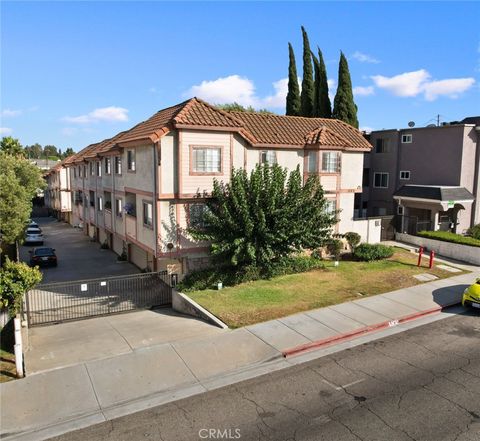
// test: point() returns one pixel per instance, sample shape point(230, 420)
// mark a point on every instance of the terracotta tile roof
point(273, 130)
point(79, 157)
point(104, 146)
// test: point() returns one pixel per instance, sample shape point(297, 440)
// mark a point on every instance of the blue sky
point(73, 73)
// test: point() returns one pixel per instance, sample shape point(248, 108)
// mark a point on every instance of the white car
point(33, 237)
point(32, 223)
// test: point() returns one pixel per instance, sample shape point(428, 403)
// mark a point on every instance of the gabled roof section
point(327, 137)
point(435, 193)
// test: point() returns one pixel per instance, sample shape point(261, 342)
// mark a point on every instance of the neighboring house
point(58, 193)
point(140, 190)
point(429, 177)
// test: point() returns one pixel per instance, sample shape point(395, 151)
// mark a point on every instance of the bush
point(334, 247)
point(447, 236)
point(231, 276)
point(475, 232)
point(353, 239)
point(368, 252)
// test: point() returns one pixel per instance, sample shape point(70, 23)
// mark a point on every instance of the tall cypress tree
point(324, 106)
point(293, 95)
point(344, 107)
point(308, 87)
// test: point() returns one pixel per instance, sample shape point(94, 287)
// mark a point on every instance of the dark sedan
point(43, 257)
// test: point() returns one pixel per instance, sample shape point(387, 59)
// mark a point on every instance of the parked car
point(33, 238)
point(44, 256)
point(32, 223)
point(36, 229)
point(471, 296)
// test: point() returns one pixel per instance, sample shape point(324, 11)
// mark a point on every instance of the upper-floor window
point(74, 172)
point(407, 139)
point(118, 207)
point(79, 171)
point(312, 161)
point(206, 159)
point(108, 165)
point(84, 171)
point(91, 198)
point(196, 215)
point(380, 180)
point(268, 157)
point(366, 177)
point(92, 170)
point(382, 145)
point(331, 206)
point(147, 214)
point(118, 165)
point(330, 162)
point(100, 203)
point(99, 168)
point(131, 165)
point(405, 174)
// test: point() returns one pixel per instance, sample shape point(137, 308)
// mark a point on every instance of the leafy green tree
point(236, 107)
point(322, 105)
point(353, 239)
point(16, 278)
point(34, 151)
point(261, 218)
point(11, 146)
point(68, 152)
point(50, 150)
point(293, 95)
point(307, 96)
point(19, 182)
point(344, 107)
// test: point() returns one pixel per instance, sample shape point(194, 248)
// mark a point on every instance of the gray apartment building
point(428, 177)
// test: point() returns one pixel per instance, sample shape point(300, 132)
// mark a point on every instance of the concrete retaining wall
point(455, 251)
point(185, 305)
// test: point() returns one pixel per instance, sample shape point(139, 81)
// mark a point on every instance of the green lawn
point(263, 300)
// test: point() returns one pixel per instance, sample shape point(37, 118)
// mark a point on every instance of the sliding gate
point(76, 300)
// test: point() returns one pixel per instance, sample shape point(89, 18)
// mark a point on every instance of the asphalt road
point(422, 384)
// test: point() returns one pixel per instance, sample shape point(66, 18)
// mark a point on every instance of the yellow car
point(471, 296)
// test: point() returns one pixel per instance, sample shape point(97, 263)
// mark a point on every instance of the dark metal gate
point(388, 228)
point(76, 300)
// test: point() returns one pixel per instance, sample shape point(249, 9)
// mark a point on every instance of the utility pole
point(438, 120)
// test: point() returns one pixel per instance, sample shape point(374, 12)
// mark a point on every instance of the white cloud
point(279, 98)
point(365, 58)
point(363, 91)
point(104, 114)
point(10, 112)
point(69, 131)
point(5, 131)
point(450, 87)
point(411, 84)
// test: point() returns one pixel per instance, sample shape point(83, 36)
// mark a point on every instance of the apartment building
point(57, 196)
point(429, 177)
point(140, 190)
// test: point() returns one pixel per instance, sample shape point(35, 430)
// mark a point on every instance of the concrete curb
point(185, 305)
point(307, 347)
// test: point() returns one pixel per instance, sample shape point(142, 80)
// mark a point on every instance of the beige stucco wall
point(168, 173)
point(167, 227)
point(239, 146)
point(142, 178)
point(145, 234)
point(352, 170)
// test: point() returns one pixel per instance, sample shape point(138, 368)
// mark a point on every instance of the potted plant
point(129, 209)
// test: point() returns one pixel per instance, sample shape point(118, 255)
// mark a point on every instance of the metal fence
point(65, 301)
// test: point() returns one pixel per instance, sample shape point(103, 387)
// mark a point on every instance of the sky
point(73, 73)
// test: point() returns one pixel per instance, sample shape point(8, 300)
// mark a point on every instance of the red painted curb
point(357, 332)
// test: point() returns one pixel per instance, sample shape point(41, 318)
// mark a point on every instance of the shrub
point(475, 232)
point(353, 239)
point(368, 252)
point(317, 254)
point(104, 245)
point(334, 247)
point(231, 276)
point(447, 236)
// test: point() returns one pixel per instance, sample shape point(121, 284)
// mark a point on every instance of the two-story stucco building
point(58, 193)
point(139, 190)
point(427, 176)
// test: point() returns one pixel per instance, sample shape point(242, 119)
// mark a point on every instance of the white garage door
point(138, 256)
point(117, 244)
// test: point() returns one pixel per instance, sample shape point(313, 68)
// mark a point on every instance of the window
point(330, 162)
point(118, 207)
point(196, 215)
point(207, 159)
point(268, 157)
point(99, 168)
point(99, 203)
point(91, 169)
point(366, 177)
point(400, 210)
point(312, 161)
point(381, 146)
point(108, 165)
point(406, 139)
point(405, 174)
point(331, 206)
point(118, 165)
point(84, 171)
point(74, 172)
point(91, 198)
point(131, 166)
point(380, 180)
point(147, 214)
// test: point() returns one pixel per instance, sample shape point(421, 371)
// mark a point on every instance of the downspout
point(155, 204)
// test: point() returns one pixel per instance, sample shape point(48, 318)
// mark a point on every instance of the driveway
point(78, 257)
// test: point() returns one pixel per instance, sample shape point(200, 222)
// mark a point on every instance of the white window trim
point(338, 161)
point(405, 171)
point(381, 173)
point(407, 136)
point(400, 210)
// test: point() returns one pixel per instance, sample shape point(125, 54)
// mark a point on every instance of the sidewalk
point(50, 403)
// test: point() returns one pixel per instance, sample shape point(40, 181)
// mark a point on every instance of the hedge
point(368, 252)
point(447, 236)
